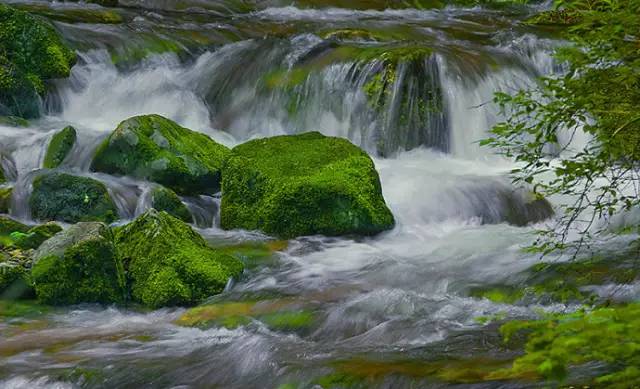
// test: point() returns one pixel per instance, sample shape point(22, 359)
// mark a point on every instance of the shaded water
point(237, 70)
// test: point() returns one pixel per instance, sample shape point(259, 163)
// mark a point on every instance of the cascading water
point(418, 111)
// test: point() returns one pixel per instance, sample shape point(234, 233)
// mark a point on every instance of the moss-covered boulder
point(302, 185)
point(31, 52)
point(67, 198)
point(5, 199)
point(158, 149)
point(14, 274)
point(59, 147)
point(169, 263)
point(164, 199)
point(79, 265)
point(9, 225)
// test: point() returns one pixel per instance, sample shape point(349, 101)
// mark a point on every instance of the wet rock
point(31, 52)
point(170, 264)
point(9, 225)
point(158, 149)
point(164, 199)
point(14, 273)
point(69, 14)
point(59, 147)
point(63, 197)
point(79, 265)
point(304, 184)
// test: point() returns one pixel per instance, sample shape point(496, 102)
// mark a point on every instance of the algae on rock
point(303, 185)
point(79, 265)
point(170, 264)
point(164, 199)
point(158, 149)
point(60, 196)
point(59, 147)
point(31, 52)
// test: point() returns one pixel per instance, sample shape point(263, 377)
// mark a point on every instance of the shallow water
point(401, 295)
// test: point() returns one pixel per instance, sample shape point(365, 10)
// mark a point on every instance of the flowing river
point(236, 70)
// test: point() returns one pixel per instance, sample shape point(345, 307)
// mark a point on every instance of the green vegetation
point(170, 264)
point(5, 198)
point(303, 185)
point(155, 148)
point(31, 52)
point(164, 199)
point(79, 265)
point(63, 197)
point(599, 94)
point(61, 144)
point(33, 238)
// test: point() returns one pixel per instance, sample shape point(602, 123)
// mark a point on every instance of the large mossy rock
point(164, 199)
point(170, 264)
point(31, 52)
point(5, 199)
point(302, 185)
point(59, 147)
point(79, 265)
point(67, 198)
point(155, 148)
point(15, 280)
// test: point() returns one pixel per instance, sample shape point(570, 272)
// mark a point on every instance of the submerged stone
point(303, 185)
point(59, 147)
point(63, 197)
point(79, 265)
point(158, 149)
point(164, 199)
point(170, 264)
point(31, 52)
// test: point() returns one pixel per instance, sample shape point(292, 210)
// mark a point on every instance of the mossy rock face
point(163, 199)
point(5, 199)
point(79, 265)
point(170, 264)
point(13, 121)
point(9, 225)
point(155, 148)
point(304, 184)
point(59, 196)
point(14, 274)
point(31, 52)
point(59, 147)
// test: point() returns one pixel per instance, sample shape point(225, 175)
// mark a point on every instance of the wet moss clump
point(59, 147)
point(158, 149)
point(9, 225)
point(303, 184)
point(164, 199)
point(5, 198)
point(79, 265)
point(67, 198)
point(31, 52)
point(37, 235)
point(170, 264)
point(559, 342)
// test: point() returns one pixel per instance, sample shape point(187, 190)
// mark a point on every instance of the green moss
point(302, 185)
point(33, 238)
point(170, 264)
point(149, 44)
point(289, 320)
point(164, 199)
point(155, 148)
point(31, 52)
point(60, 145)
point(59, 196)
point(13, 121)
point(79, 265)
point(5, 198)
point(9, 225)
point(559, 342)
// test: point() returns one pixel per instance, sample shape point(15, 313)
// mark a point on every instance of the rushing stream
point(238, 71)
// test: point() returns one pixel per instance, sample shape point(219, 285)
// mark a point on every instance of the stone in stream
point(164, 199)
point(303, 184)
point(79, 265)
point(170, 264)
point(31, 52)
point(59, 147)
point(157, 149)
point(63, 197)
point(14, 273)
